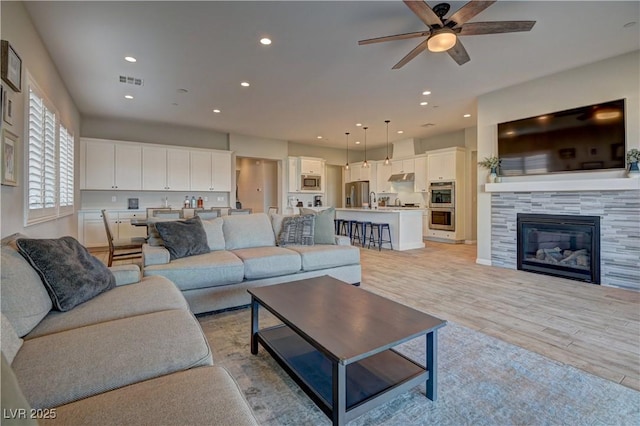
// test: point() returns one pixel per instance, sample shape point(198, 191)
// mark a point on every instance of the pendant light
point(346, 166)
point(386, 160)
point(365, 164)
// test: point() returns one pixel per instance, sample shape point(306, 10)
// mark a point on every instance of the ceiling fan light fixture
point(441, 40)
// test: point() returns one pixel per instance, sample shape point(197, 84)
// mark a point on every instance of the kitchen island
point(405, 223)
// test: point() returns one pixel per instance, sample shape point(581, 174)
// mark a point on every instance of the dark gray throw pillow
point(324, 230)
point(183, 237)
point(297, 230)
point(69, 272)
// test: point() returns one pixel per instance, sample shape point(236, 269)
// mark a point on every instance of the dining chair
point(208, 214)
point(240, 211)
point(122, 249)
point(272, 210)
point(168, 214)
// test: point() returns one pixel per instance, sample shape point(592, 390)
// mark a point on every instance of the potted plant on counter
point(492, 163)
point(633, 156)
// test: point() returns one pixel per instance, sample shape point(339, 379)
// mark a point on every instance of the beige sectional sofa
point(132, 355)
point(243, 254)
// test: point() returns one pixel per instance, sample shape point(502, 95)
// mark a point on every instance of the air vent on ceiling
point(428, 125)
point(131, 80)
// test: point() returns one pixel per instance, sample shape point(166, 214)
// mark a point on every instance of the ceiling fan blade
point(459, 53)
point(468, 11)
point(415, 52)
point(395, 37)
point(424, 12)
point(477, 28)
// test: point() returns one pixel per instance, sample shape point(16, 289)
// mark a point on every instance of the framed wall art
point(7, 108)
point(11, 69)
point(9, 158)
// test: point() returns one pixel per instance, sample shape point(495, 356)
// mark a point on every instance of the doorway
point(256, 183)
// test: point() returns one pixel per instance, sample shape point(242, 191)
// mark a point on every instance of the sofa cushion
point(151, 294)
point(24, 299)
point(324, 227)
point(183, 238)
point(9, 340)
point(200, 396)
point(13, 399)
point(297, 230)
point(265, 262)
point(63, 367)
point(69, 272)
point(323, 256)
point(126, 274)
point(215, 236)
point(213, 269)
point(153, 237)
point(250, 230)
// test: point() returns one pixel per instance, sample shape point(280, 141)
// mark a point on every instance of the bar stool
point(357, 232)
point(347, 228)
point(337, 224)
point(380, 227)
point(364, 225)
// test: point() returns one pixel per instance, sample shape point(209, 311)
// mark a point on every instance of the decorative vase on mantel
point(493, 176)
point(634, 171)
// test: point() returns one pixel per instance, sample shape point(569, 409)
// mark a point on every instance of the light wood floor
point(591, 327)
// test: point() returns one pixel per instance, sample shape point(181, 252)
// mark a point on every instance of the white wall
point(445, 140)
point(18, 29)
point(601, 81)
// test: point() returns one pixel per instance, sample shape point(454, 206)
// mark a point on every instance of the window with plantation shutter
point(50, 169)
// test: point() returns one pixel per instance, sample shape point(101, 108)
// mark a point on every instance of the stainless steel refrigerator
point(356, 193)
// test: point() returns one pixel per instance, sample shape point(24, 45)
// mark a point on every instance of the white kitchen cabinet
point(210, 171)
point(421, 183)
point(311, 166)
point(442, 166)
point(425, 224)
point(165, 169)
point(383, 172)
point(92, 233)
point(294, 174)
point(112, 165)
point(402, 166)
point(359, 173)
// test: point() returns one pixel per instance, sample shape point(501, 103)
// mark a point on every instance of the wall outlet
point(220, 198)
point(114, 199)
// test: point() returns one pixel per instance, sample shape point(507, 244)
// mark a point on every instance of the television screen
point(586, 138)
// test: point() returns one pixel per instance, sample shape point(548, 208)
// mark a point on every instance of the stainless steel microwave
point(310, 183)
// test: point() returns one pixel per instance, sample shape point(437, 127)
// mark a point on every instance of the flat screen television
point(587, 138)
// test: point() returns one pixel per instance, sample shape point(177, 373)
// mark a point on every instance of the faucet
point(374, 203)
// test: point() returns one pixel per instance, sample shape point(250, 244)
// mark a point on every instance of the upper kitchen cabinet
point(358, 173)
point(421, 183)
point(402, 166)
point(311, 166)
point(445, 164)
point(383, 173)
point(210, 171)
point(165, 169)
point(111, 165)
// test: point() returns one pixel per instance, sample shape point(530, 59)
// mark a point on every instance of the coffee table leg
point(432, 365)
point(254, 326)
point(339, 393)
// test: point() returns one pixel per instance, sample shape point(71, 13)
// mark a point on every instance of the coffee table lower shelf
point(369, 382)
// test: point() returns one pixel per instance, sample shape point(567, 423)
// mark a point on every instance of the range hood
point(402, 177)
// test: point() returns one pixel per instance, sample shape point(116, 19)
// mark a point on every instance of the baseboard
point(485, 262)
point(471, 242)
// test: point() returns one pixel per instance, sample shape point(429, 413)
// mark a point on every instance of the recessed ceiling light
point(358, 125)
point(357, 142)
point(130, 59)
point(400, 132)
point(128, 97)
point(183, 91)
point(245, 84)
point(217, 111)
point(266, 41)
point(424, 103)
point(467, 115)
point(319, 137)
point(426, 92)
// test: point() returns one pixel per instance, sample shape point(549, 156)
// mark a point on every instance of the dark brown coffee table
point(337, 340)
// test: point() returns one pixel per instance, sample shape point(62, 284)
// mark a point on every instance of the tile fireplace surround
point(617, 202)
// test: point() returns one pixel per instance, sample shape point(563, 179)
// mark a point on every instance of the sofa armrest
point(342, 240)
point(126, 274)
point(154, 255)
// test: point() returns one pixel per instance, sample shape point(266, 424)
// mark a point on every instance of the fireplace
point(560, 245)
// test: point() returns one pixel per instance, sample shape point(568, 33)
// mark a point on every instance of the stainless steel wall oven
point(442, 194)
point(442, 218)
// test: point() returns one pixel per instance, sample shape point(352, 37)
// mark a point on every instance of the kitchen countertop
point(390, 209)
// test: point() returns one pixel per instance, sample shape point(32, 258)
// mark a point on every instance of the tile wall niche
point(619, 227)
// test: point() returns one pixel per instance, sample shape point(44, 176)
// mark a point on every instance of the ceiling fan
point(443, 33)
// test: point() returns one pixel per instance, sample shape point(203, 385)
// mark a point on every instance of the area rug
point(482, 381)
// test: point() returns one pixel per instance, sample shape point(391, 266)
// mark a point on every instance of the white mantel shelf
point(612, 184)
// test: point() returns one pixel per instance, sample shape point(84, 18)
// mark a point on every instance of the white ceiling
point(314, 80)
